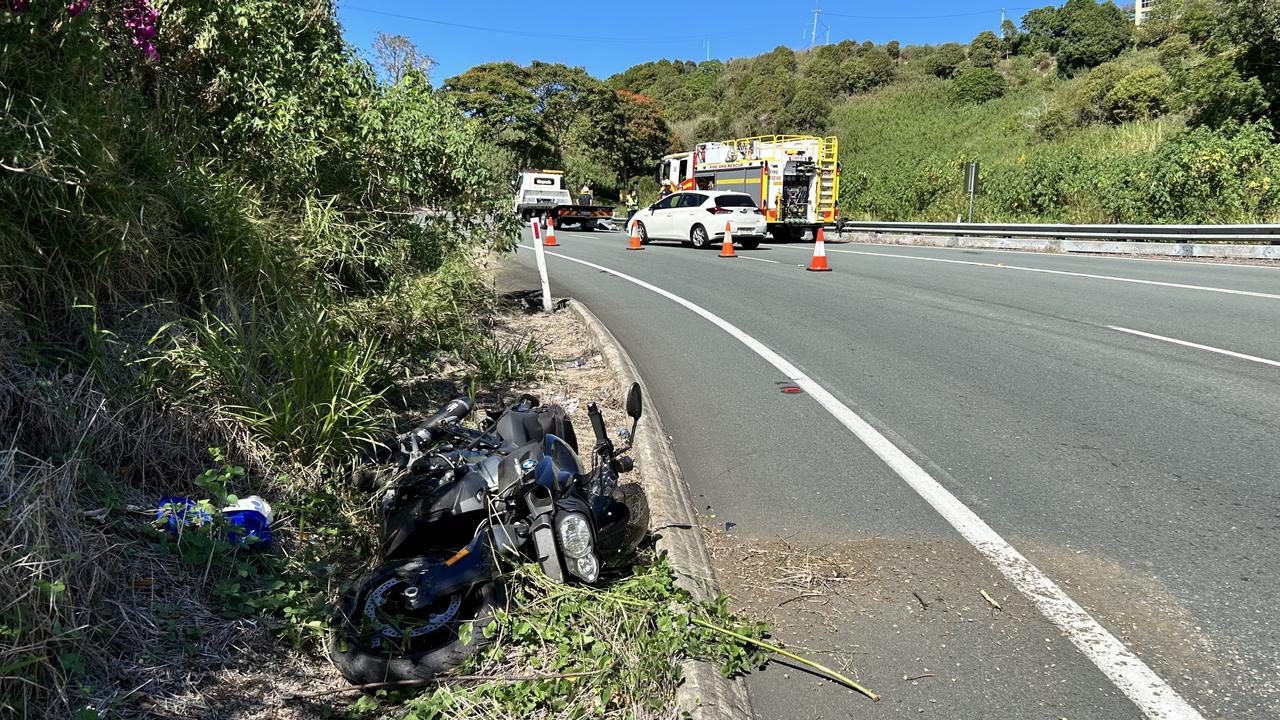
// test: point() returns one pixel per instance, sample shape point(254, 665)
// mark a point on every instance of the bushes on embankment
point(206, 240)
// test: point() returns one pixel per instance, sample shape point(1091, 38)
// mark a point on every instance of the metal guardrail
point(1266, 234)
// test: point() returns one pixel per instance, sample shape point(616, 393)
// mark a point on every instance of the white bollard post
point(539, 254)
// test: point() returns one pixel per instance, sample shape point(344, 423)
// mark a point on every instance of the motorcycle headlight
point(585, 567)
point(575, 535)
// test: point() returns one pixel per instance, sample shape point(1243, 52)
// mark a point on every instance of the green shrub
point(1217, 94)
point(1202, 175)
point(1142, 94)
point(866, 72)
point(1020, 70)
point(944, 61)
point(978, 85)
point(1176, 55)
point(1090, 96)
point(984, 50)
point(1057, 119)
point(1041, 188)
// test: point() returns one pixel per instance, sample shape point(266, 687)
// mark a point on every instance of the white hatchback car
point(698, 217)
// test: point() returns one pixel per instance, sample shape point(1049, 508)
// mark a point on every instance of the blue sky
point(608, 36)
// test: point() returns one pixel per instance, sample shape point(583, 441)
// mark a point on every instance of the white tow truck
point(541, 193)
point(794, 179)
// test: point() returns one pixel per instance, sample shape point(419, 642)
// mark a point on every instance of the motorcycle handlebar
point(453, 411)
point(597, 423)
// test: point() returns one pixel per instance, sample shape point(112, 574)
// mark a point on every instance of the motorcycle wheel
point(376, 640)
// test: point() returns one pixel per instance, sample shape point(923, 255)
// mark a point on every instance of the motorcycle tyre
point(363, 666)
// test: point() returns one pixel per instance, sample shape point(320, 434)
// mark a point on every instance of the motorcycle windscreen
point(564, 466)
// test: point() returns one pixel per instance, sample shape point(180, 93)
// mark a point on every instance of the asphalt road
point(1139, 474)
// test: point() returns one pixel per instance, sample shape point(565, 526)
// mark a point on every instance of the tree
point(644, 136)
point(1255, 26)
point(808, 111)
point(978, 85)
point(893, 50)
point(399, 56)
point(1044, 30)
point(984, 50)
point(1011, 40)
point(1091, 34)
point(860, 74)
point(944, 61)
point(500, 96)
point(566, 96)
point(1216, 93)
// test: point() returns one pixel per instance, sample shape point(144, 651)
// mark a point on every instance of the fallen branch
point(838, 677)
point(823, 669)
point(440, 681)
point(801, 596)
point(990, 600)
point(913, 678)
point(923, 604)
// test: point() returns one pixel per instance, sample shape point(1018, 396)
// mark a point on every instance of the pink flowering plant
point(140, 19)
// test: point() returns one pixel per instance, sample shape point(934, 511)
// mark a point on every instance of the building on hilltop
point(1141, 9)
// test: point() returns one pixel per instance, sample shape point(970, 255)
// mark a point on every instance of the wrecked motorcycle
point(465, 503)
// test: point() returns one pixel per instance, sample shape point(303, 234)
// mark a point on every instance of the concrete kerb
point(1054, 245)
point(705, 694)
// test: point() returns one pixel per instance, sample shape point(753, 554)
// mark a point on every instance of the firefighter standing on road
point(585, 196)
point(667, 188)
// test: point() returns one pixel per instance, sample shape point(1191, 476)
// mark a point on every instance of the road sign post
point(541, 258)
point(971, 183)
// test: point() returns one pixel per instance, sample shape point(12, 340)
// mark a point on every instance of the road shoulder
point(705, 694)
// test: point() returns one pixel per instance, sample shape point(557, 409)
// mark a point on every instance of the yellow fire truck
point(795, 179)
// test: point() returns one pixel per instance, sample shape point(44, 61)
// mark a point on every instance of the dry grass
point(94, 615)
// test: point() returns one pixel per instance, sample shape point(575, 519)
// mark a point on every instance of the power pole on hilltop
point(813, 34)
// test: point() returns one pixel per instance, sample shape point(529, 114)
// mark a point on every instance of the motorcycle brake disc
point(434, 622)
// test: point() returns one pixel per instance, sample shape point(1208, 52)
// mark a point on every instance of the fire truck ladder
point(828, 179)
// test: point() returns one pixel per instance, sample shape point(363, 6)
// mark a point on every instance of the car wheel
point(698, 237)
point(749, 244)
point(644, 233)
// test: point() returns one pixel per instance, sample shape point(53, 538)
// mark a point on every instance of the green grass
point(914, 123)
point(903, 148)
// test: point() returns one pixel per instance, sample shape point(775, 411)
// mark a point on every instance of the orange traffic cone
point(551, 234)
point(726, 249)
point(635, 237)
point(819, 262)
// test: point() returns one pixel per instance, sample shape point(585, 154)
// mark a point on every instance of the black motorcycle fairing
point(510, 470)
point(452, 510)
point(521, 425)
point(473, 565)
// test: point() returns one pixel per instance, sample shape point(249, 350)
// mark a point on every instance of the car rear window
point(735, 201)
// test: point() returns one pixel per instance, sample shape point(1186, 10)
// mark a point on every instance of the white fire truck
point(795, 179)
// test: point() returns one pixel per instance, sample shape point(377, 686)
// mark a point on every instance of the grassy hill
point(1075, 117)
point(903, 147)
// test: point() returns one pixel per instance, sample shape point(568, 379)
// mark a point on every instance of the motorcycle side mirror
point(635, 404)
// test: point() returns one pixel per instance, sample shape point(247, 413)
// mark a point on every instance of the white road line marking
point(1153, 696)
point(1197, 346)
point(747, 257)
point(1002, 266)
